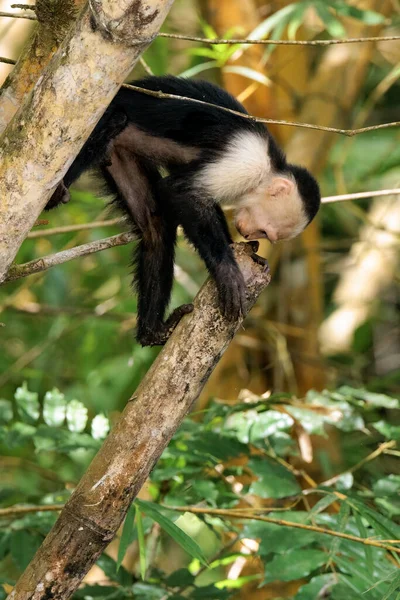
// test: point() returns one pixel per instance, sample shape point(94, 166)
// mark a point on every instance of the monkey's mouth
point(256, 235)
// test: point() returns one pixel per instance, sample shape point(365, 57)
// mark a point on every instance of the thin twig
point(16, 511)
point(347, 132)
point(16, 16)
point(239, 514)
point(7, 61)
point(44, 263)
point(381, 450)
point(162, 95)
point(24, 6)
point(71, 228)
point(221, 41)
point(358, 195)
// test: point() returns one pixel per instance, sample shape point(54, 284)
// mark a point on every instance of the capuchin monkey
point(212, 158)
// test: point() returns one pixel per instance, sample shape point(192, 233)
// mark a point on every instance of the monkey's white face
point(273, 211)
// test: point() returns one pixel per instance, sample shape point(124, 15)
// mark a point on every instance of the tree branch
point(96, 509)
point(45, 262)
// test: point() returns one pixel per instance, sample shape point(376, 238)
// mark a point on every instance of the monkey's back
point(183, 120)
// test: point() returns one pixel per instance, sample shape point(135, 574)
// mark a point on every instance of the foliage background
point(330, 318)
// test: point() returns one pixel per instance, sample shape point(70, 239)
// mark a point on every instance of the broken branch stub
point(96, 509)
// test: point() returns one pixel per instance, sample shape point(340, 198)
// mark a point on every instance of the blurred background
point(331, 315)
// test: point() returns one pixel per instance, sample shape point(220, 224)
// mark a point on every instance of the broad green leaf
point(294, 565)
point(312, 590)
point(369, 17)
point(251, 425)
point(180, 537)
point(277, 539)
point(23, 545)
point(274, 481)
point(17, 434)
point(147, 591)
point(379, 400)
point(141, 542)
point(109, 567)
point(127, 535)
point(210, 592)
point(332, 24)
point(27, 404)
point(77, 415)
point(54, 408)
point(181, 577)
point(296, 19)
point(390, 432)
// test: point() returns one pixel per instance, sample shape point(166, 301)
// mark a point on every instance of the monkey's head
point(279, 208)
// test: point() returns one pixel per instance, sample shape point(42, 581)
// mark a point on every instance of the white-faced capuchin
point(212, 158)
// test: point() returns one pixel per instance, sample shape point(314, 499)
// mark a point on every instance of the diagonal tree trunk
point(96, 509)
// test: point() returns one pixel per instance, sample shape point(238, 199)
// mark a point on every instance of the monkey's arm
point(205, 226)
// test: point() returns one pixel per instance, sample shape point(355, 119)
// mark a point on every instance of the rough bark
point(54, 121)
point(94, 512)
point(55, 17)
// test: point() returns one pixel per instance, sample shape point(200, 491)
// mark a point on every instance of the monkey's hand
point(231, 290)
point(60, 196)
point(160, 336)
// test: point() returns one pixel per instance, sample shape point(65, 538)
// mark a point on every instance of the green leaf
point(6, 411)
point(294, 565)
point(76, 416)
point(54, 408)
point(395, 585)
point(379, 400)
point(390, 432)
point(321, 505)
point(146, 591)
point(343, 518)
point(23, 546)
point(181, 577)
point(369, 561)
point(180, 537)
point(332, 24)
point(100, 427)
point(274, 481)
point(369, 17)
point(27, 404)
point(249, 74)
point(277, 539)
point(251, 425)
point(312, 590)
point(280, 18)
point(126, 536)
point(141, 542)
point(109, 567)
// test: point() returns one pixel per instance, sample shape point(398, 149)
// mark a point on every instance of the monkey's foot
point(60, 196)
point(162, 334)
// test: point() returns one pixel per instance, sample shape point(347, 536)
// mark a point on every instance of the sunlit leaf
point(27, 404)
point(273, 480)
point(54, 408)
point(77, 415)
point(180, 537)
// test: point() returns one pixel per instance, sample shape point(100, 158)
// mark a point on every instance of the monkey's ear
point(280, 187)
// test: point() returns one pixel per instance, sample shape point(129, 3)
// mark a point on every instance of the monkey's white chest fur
point(244, 165)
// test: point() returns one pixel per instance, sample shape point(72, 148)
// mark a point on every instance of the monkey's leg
point(134, 182)
point(205, 226)
point(93, 152)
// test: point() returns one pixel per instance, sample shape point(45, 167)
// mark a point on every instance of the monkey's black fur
point(157, 205)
